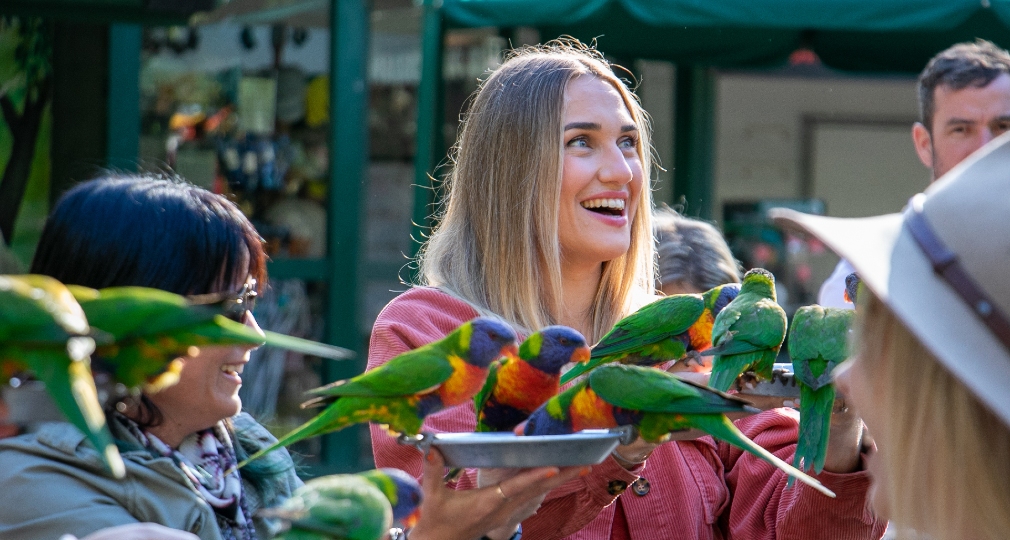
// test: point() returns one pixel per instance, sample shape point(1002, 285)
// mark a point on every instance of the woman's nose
point(250, 320)
point(615, 168)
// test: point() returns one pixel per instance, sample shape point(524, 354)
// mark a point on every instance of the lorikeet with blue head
point(401, 489)
point(152, 328)
point(44, 330)
point(516, 386)
point(656, 403)
point(818, 341)
point(748, 333)
point(676, 327)
point(403, 391)
point(335, 507)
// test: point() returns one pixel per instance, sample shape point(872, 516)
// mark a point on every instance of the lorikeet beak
point(581, 354)
point(511, 350)
point(520, 429)
point(411, 520)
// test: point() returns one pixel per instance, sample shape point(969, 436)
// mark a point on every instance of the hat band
point(946, 265)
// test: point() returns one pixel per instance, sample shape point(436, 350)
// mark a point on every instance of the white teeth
point(235, 369)
point(617, 204)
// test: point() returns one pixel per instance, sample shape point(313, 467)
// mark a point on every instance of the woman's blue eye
point(629, 143)
point(578, 142)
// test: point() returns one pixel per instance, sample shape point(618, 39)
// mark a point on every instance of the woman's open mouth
point(607, 207)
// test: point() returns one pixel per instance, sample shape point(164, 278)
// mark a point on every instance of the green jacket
point(52, 483)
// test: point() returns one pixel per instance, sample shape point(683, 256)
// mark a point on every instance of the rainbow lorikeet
point(748, 333)
point(152, 328)
point(818, 341)
point(45, 331)
point(656, 403)
point(671, 328)
point(344, 507)
point(516, 386)
point(403, 391)
point(402, 491)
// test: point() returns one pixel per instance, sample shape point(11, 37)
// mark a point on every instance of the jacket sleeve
point(421, 316)
point(763, 508)
point(46, 499)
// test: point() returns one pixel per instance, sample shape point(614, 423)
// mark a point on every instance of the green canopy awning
point(884, 35)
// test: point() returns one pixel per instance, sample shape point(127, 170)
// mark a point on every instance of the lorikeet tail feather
point(720, 427)
point(725, 369)
point(579, 369)
point(815, 422)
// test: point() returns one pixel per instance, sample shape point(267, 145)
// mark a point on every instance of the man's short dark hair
point(962, 65)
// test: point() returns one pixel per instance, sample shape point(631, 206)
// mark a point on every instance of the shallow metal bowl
point(587, 447)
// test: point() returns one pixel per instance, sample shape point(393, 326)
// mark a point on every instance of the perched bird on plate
point(336, 507)
point(676, 327)
point(403, 391)
point(656, 403)
point(818, 341)
point(748, 333)
point(152, 328)
point(517, 385)
point(44, 330)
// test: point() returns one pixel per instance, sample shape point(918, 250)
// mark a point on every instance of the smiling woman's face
point(207, 391)
point(601, 176)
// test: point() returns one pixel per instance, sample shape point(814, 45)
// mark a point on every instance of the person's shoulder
point(422, 305)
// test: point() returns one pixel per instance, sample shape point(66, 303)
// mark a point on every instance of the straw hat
point(959, 311)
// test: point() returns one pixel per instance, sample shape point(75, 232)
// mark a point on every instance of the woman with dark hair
point(179, 444)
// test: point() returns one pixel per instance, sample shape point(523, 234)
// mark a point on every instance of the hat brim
point(895, 269)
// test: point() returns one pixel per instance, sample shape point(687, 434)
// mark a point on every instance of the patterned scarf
point(204, 457)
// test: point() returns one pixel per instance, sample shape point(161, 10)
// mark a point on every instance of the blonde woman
point(548, 221)
point(932, 368)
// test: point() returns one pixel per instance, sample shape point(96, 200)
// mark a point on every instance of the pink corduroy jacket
point(697, 489)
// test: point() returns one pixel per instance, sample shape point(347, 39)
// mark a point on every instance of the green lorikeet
point(656, 403)
point(671, 328)
point(336, 507)
point(403, 391)
point(516, 386)
point(402, 491)
point(747, 333)
point(818, 341)
point(152, 328)
point(45, 331)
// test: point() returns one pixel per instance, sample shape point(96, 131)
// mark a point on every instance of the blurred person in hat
point(932, 364)
point(964, 102)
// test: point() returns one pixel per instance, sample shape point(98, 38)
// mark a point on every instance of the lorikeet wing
point(412, 372)
point(151, 328)
point(43, 329)
point(818, 341)
point(344, 506)
point(648, 334)
point(481, 399)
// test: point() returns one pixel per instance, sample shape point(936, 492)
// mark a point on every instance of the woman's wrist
point(632, 461)
point(517, 535)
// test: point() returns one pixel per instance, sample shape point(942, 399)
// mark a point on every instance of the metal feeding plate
point(587, 447)
point(782, 383)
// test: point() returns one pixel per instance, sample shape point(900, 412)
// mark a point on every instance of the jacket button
point(641, 487)
point(616, 487)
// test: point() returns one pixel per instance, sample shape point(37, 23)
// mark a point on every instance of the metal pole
point(694, 110)
point(429, 122)
point(349, 35)
point(123, 109)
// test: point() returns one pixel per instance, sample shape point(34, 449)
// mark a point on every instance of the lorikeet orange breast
point(519, 384)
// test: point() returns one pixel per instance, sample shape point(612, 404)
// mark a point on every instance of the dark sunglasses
point(233, 305)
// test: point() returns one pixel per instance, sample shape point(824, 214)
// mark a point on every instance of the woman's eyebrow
point(584, 125)
point(629, 127)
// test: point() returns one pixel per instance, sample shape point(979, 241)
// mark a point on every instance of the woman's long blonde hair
point(496, 243)
point(948, 473)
